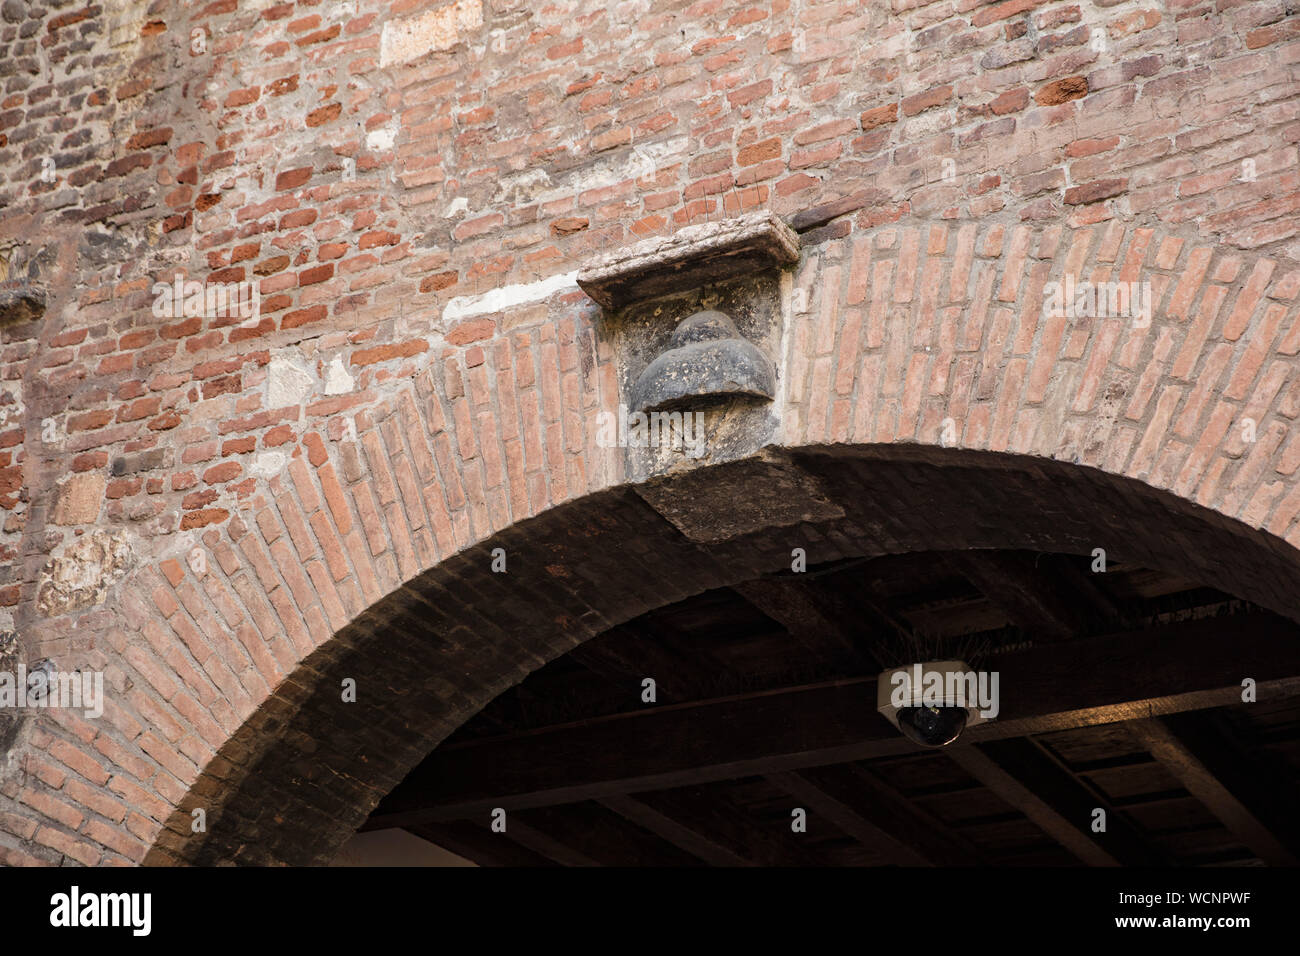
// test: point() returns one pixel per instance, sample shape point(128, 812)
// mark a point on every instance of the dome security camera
point(932, 726)
point(931, 703)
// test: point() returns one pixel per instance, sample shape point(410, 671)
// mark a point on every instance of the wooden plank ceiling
point(1120, 691)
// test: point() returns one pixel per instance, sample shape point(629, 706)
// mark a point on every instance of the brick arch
point(302, 773)
point(938, 158)
point(892, 331)
point(383, 520)
point(903, 327)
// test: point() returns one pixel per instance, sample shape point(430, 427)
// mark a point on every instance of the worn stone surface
point(337, 379)
point(20, 303)
point(707, 359)
point(729, 422)
point(740, 498)
point(80, 576)
point(695, 256)
point(438, 29)
point(288, 382)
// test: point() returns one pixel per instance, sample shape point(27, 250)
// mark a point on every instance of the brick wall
point(197, 505)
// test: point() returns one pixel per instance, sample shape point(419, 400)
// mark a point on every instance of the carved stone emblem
point(695, 321)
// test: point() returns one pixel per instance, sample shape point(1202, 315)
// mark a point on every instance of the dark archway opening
point(307, 770)
point(764, 707)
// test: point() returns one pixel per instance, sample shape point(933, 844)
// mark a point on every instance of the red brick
point(880, 116)
point(370, 240)
point(323, 115)
point(1062, 91)
point(768, 149)
point(202, 518)
point(385, 353)
point(1093, 192)
point(921, 102)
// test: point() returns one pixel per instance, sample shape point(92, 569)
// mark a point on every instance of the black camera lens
point(932, 726)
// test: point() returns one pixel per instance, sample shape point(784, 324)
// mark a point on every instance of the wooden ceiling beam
point(820, 804)
point(877, 816)
point(815, 617)
point(543, 844)
point(1185, 666)
point(763, 842)
point(1023, 777)
point(691, 840)
point(1219, 778)
point(1027, 593)
point(603, 836)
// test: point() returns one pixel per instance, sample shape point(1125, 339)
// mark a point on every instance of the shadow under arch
point(302, 774)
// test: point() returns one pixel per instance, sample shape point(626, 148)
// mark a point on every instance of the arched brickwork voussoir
point(368, 557)
point(912, 326)
point(378, 169)
point(938, 333)
point(304, 771)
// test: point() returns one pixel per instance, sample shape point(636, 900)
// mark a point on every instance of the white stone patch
point(459, 206)
point(337, 379)
point(126, 19)
point(499, 41)
point(642, 160)
point(79, 574)
point(498, 300)
point(12, 409)
point(269, 464)
point(438, 29)
point(381, 139)
point(522, 188)
point(288, 382)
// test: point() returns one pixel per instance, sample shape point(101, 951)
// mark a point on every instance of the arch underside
point(307, 769)
point(1116, 691)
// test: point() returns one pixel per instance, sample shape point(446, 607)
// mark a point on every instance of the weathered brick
point(383, 222)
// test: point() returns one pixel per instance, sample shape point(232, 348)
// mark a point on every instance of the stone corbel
point(695, 321)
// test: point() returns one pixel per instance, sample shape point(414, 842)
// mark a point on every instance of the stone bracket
point(692, 257)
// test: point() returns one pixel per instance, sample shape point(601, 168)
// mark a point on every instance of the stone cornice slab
point(691, 257)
